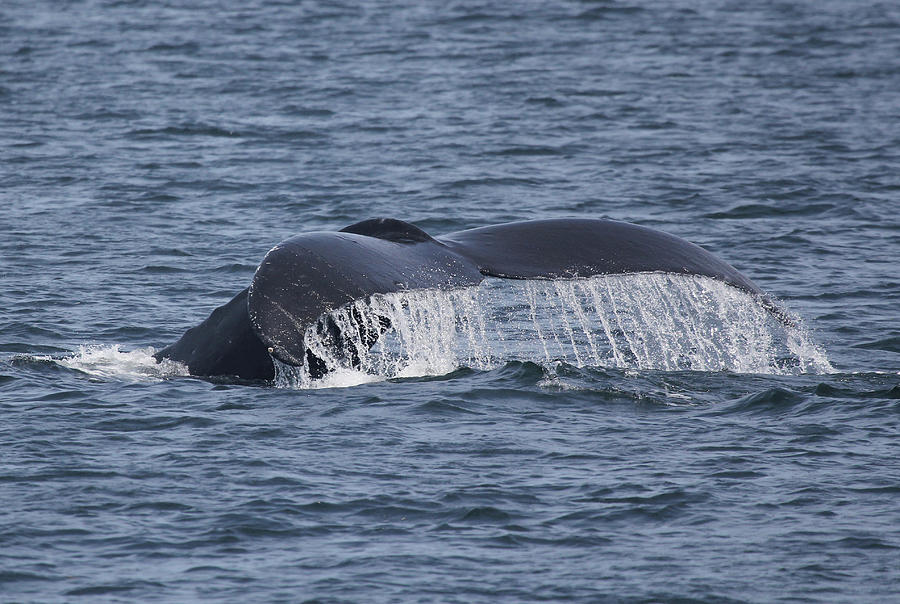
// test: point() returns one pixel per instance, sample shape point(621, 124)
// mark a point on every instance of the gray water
point(627, 439)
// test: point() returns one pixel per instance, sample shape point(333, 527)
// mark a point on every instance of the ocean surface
point(631, 439)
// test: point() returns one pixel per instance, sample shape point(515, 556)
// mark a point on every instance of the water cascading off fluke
point(650, 321)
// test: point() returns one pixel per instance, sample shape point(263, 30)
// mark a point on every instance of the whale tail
point(224, 344)
point(303, 278)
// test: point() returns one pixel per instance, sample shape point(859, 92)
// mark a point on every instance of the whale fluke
point(224, 344)
point(311, 274)
point(570, 248)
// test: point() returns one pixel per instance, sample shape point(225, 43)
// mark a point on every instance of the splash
point(634, 322)
point(108, 362)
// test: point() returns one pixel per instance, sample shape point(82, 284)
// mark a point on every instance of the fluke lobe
point(308, 275)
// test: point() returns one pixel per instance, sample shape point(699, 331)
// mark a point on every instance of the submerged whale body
point(303, 278)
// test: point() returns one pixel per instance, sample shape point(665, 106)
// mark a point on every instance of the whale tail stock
point(308, 275)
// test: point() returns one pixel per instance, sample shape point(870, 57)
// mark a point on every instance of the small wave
point(758, 210)
point(187, 129)
point(159, 269)
point(108, 362)
point(771, 401)
point(891, 344)
point(492, 182)
point(301, 111)
point(526, 151)
point(607, 11)
point(187, 47)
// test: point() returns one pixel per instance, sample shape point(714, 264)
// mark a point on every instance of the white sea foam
point(108, 362)
point(632, 322)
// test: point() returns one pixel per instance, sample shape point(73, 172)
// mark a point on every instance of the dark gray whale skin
point(313, 273)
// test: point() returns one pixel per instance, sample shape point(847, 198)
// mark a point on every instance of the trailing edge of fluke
point(308, 275)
